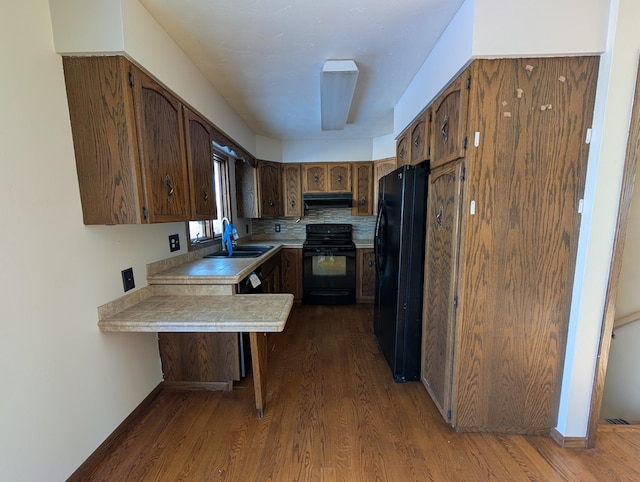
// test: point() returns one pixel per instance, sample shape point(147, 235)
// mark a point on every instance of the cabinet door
point(292, 190)
point(449, 116)
point(403, 155)
point(380, 169)
point(291, 272)
point(269, 194)
point(100, 100)
point(314, 178)
point(339, 177)
point(420, 139)
point(200, 161)
point(440, 283)
point(162, 151)
point(362, 189)
point(366, 280)
point(246, 189)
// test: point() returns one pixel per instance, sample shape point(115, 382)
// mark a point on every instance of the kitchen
point(116, 372)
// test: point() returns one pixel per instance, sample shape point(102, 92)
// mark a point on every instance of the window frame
point(223, 202)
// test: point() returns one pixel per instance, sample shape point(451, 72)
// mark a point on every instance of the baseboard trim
point(568, 442)
point(210, 386)
point(94, 460)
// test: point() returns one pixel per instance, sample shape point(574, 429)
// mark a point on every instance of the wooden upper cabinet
point(314, 178)
point(326, 177)
point(339, 177)
point(403, 156)
point(104, 139)
point(420, 137)
point(380, 169)
point(246, 189)
point(270, 200)
point(292, 190)
point(199, 143)
point(258, 189)
point(362, 189)
point(162, 149)
point(449, 119)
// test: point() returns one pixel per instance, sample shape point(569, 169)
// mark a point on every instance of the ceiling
point(265, 56)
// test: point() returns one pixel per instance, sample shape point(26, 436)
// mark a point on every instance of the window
point(206, 231)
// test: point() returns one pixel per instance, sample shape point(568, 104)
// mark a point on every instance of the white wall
point(321, 151)
point(622, 391)
point(539, 28)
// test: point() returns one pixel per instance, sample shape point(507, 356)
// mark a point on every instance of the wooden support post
point(259, 362)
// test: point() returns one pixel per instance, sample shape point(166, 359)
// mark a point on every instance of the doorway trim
point(608, 317)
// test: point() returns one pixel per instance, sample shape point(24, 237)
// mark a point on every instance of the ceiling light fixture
point(337, 85)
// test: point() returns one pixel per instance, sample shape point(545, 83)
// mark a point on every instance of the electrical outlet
point(277, 228)
point(127, 279)
point(174, 243)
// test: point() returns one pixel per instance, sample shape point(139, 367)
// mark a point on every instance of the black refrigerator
point(399, 257)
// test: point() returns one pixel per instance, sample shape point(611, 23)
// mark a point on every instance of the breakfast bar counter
point(154, 309)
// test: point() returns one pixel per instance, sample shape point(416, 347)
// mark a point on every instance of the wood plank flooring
point(333, 413)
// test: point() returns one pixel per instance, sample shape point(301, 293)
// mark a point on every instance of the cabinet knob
point(205, 193)
point(271, 203)
point(169, 184)
point(370, 263)
point(316, 179)
point(292, 203)
point(339, 178)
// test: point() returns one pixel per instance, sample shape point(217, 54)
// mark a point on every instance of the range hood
point(327, 200)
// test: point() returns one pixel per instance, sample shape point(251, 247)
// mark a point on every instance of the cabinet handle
point(444, 130)
point(205, 194)
point(169, 184)
point(439, 215)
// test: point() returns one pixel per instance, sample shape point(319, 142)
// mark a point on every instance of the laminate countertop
point(195, 269)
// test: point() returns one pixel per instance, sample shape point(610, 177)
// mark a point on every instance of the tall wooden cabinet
point(502, 234)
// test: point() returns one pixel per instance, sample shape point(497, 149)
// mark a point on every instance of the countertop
point(155, 310)
point(220, 271)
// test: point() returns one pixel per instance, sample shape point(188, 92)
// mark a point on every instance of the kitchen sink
point(242, 251)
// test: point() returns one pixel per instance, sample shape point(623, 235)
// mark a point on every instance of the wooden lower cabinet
point(291, 272)
point(366, 275)
point(199, 358)
point(502, 237)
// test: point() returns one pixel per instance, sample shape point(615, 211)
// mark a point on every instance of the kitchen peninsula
point(195, 297)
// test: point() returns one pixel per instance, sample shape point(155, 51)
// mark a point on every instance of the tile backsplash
point(291, 228)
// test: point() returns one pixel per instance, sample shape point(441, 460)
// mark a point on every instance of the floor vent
point(617, 421)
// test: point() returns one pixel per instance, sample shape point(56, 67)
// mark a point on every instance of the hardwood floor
point(334, 413)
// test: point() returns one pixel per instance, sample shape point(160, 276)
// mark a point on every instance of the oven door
point(329, 275)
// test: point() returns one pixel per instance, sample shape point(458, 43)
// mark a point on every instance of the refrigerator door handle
point(380, 234)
